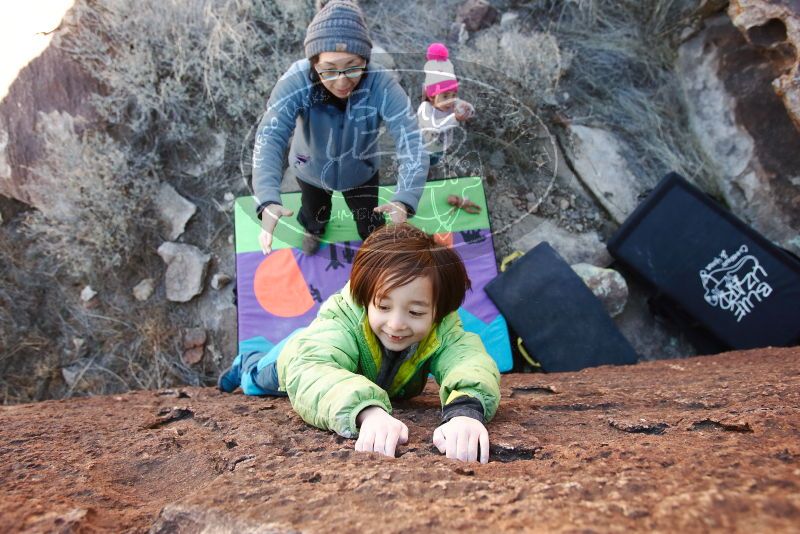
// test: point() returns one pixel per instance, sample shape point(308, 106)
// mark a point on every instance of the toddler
point(440, 111)
point(393, 324)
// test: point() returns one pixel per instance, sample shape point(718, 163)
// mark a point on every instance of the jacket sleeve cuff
point(408, 199)
point(410, 212)
point(354, 429)
point(263, 205)
point(463, 406)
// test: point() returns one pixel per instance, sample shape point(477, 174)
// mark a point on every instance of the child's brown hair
point(396, 254)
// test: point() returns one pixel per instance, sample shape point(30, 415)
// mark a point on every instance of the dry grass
point(178, 72)
point(97, 198)
point(605, 63)
point(175, 74)
point(621, 78)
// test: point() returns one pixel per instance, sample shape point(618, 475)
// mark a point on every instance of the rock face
point(51, 84)
point(774, 25)
point(173, 210)
point(744, 128)
point(702, 444)
point(186, 270)
point(574, 248)
point(5, 168)
point(597, 157)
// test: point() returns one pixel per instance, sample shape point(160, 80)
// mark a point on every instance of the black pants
point(315, 209)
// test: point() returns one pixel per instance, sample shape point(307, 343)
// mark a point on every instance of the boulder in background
point(744, 128)
point(186, 270)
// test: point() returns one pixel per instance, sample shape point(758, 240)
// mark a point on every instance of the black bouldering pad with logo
point(721, 272)
point(561, 323)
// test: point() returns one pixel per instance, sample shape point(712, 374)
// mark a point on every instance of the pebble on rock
point(88, 294)
point(144, 289)
point(194, 337)
point(220, 280)
point(186, 270)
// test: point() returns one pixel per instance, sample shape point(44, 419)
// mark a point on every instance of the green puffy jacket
point(328, 370)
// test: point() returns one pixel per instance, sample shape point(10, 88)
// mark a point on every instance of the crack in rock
point(532, 390)
point(504, 453)
point(233, 464)
point(180, 394)
point(311, 478)
point(578, 407)
point(785, 456)
point(169, 416)
point(642, 427)
point(465, 471)
point(710, 424)
point(498, 452)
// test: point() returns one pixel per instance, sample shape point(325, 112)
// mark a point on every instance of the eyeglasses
point(350, 73)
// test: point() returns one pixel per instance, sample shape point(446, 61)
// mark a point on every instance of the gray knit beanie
point(338, 27)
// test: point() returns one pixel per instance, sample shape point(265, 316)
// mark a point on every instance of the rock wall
point(52, 87)
point(699, 445)
point(744, 127)
point(774, 25)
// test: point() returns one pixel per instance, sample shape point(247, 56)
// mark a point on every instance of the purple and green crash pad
point(283, 291)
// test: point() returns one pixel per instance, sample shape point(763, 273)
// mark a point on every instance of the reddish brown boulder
point(702, 444)
point(774, 25)
point(51, 88)
point(744, 128)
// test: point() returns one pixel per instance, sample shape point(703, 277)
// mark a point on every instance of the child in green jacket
point(377, 339)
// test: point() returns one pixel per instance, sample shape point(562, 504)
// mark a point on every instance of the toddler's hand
point(460, 438)
point(380, 432)
point(464, 110)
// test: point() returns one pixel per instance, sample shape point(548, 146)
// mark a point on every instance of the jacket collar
point(372, 363)
point(427, 346)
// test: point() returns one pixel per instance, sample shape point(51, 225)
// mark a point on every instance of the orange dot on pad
point(280, 286)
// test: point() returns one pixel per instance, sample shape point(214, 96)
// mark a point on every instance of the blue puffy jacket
point(333, 148)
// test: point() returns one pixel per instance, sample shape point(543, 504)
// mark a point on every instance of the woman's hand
point(396, 210)
point(269, 220)
point(459, 438)
point(379, 431)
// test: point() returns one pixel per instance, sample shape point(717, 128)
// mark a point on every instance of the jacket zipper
point(339, 144)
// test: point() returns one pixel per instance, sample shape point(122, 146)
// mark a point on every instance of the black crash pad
point(561, 323)
point(726, 276)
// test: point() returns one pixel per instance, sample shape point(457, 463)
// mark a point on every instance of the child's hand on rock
point(459, 438)
point(380, 432)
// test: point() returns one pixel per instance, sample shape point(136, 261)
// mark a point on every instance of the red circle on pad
point(280, 286)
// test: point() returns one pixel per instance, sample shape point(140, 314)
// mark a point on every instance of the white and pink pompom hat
point(439, 74)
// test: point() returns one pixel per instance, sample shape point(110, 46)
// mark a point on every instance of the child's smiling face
point(445, 101)
point(404, 315)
